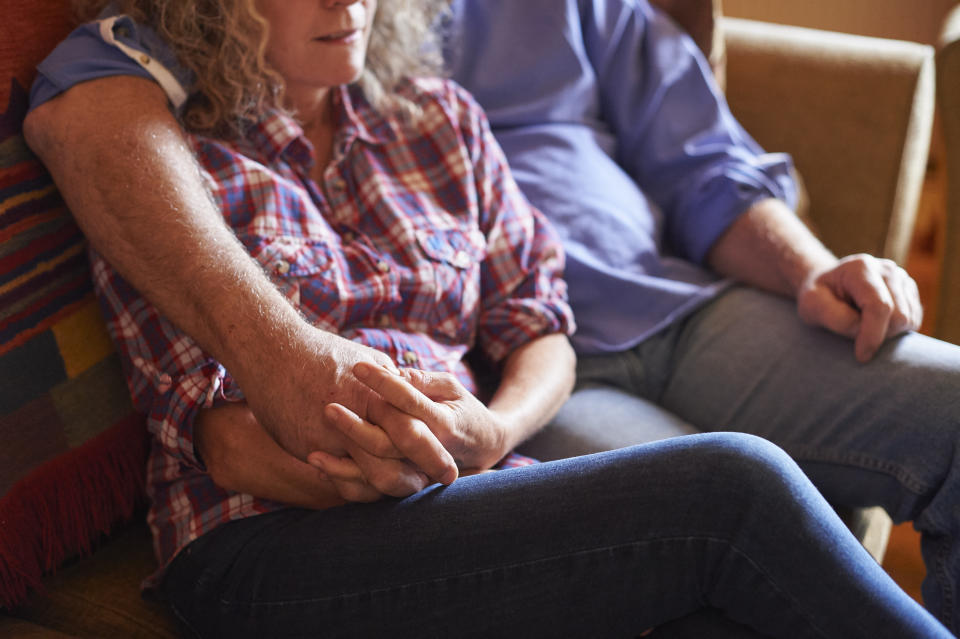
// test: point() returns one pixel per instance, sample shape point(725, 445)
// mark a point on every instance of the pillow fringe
point(62, 507)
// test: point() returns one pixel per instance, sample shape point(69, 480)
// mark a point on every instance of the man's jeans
point(606, 545)
point(885, 433)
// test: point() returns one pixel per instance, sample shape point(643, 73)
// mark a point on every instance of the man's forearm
point(770, 248)
point(138, 195)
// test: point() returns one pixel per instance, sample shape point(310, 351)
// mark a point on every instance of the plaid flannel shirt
point(417, 242)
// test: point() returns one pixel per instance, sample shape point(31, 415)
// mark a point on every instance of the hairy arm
point(241, 456)
point(859, 296)
point(136, 192)
point(138, 195)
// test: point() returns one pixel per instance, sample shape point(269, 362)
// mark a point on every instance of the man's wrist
point(814, 264)
point(263, 332)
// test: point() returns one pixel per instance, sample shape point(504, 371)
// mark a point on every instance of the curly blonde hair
point(223, 42)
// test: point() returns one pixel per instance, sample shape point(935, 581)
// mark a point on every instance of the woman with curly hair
point(377, 201)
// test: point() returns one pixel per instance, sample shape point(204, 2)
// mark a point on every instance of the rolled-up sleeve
point(112, 46)
point(169, 376)
point(174, 411)
point(675, 134)
point(523, 292)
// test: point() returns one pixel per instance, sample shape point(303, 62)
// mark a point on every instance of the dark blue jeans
point(884, 434)
point(605, 545)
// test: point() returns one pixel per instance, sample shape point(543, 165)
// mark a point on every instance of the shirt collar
point(353, 110)
point(277, 134)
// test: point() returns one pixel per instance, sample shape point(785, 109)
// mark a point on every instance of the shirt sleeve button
point(410, 358)
point(383, 267)
point(282, 267)
point(164, 382)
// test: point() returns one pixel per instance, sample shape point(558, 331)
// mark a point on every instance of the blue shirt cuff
point(727, 192)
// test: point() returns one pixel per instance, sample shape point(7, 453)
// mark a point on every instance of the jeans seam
point(941, 568)
point(866, 462)
point(791, 601)
point(946, 590)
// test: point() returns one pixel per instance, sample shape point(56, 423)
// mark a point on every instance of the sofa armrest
point(948, 95)
point(856, 114)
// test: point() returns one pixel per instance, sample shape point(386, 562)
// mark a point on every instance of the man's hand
point(861, 297)
point(241, 456)
point(864, 298)
point(417, 410)
point(325, 375)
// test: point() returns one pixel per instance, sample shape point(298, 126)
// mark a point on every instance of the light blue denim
point(885, 433)
point(605, 545)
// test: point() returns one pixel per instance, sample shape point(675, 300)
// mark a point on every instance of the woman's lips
point(340, 36)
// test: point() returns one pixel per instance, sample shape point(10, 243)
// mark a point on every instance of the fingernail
point(361, 370)
point(329, 411)
point(450, 476)
point(315, 461)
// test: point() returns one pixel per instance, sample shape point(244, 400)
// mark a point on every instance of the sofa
point(948, 98)
point(855, 112)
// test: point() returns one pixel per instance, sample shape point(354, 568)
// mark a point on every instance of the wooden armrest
point(948, 96)
point(856, 114)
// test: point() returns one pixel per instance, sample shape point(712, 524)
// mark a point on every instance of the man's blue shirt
point(613, 127)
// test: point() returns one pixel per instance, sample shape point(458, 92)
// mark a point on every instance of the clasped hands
point(339, 422)
point(421, 427)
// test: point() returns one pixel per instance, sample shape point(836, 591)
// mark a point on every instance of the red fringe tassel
point(66, 504)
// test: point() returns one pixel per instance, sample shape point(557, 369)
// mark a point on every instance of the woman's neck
point(313, 109)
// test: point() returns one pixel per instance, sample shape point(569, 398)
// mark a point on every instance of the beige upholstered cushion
point(854, 112)
point(948, 94)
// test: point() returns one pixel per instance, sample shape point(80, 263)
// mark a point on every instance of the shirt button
point(383, 267)
point(144, 59)
point(410, 358)
point(384, 321)
point(282, 267)
point(461, 259)
point(349, 237)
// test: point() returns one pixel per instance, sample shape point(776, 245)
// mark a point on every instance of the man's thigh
point(882, 433)
point(746, 363)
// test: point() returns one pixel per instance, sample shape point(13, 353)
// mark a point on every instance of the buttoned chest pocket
point(453, 260)
point(307, 272)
